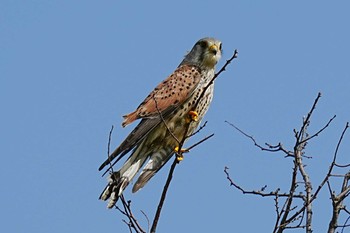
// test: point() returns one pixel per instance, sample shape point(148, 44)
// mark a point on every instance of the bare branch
point(148, 222)
point(133, 223)
point(288, 203)
point(290, 215)
point(108, 150)
point(320, 131)
point(342, 166)
point(270, 148)
point(275, 193)
point(163, 120)
point(307, 119)
point(345, 224)
point(278, 213)
point(333, 162)
point(201, 141)
point(198, 130)
point(337, 203)
point(308, 190)
point(161, 202)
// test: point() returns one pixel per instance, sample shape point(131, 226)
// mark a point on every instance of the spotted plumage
point(168, 94)
point(164, 119)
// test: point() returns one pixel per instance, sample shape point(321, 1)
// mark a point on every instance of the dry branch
point(288, 214)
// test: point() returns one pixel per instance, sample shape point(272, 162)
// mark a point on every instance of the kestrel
point(166, 113)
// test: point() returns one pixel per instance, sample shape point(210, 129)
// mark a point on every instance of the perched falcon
point(165, 115)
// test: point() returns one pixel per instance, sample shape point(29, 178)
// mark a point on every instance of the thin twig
point(278, 213)
point(109, 148)
point(307, 183)
point(333, 162)
point(305, 123)
point(198, 130)
point(288, 202)
point(161, 202)
point(260, 192)
point(320, 131)
point(325, 180)
point(342, 166)
point(271, 148)
point(133, 221)
point(289, 213)
point(164, 122)
point(345, 224)
point(201, 141)
point(148, 222)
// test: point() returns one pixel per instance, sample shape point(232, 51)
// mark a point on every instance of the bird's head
point(205, 53)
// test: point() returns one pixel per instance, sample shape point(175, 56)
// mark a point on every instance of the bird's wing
point(169, 94)
point(162, 101)
point(132, 140)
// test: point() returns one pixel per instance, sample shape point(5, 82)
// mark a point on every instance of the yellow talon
point(176, 149)
point(193, 115)
point(179, 158)
point(179, 155)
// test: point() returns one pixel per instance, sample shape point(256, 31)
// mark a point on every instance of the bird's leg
point(179, 153)
point(193, 116)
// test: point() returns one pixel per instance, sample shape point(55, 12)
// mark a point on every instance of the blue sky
point(70, 69)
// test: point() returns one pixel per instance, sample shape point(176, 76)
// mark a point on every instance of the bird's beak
point(213, 48)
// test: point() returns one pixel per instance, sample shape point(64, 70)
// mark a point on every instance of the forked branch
point(290, 215)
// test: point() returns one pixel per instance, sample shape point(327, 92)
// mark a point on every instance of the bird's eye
point(220, 47)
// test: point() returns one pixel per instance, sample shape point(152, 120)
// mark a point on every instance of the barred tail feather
point(119, 180)
point(156, 162)
point(113, 190)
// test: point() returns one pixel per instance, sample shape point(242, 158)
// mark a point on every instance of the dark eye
point(220, 46)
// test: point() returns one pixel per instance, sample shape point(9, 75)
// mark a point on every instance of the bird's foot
point(193, 116)
point(179, 158)
point(179, 153)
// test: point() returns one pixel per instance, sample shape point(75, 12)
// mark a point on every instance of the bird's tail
point(114, 189)
point(156, 162)
point(119, 180)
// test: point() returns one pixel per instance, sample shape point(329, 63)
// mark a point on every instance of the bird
point(174, 108)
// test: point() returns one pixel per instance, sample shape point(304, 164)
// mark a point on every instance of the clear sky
point(70, 69)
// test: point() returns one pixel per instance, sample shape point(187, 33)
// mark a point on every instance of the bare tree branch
point(260, 192)
point(198, 130)
point(167, 184)
point(320, 131)
point(161, 202)
point(132, 222)
point(307, 119)
point(109, 148)
point(337, 200)
point(345, 224)
point(270, 147)
point(290, 215)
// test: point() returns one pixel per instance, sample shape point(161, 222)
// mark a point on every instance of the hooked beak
point(214, 49)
